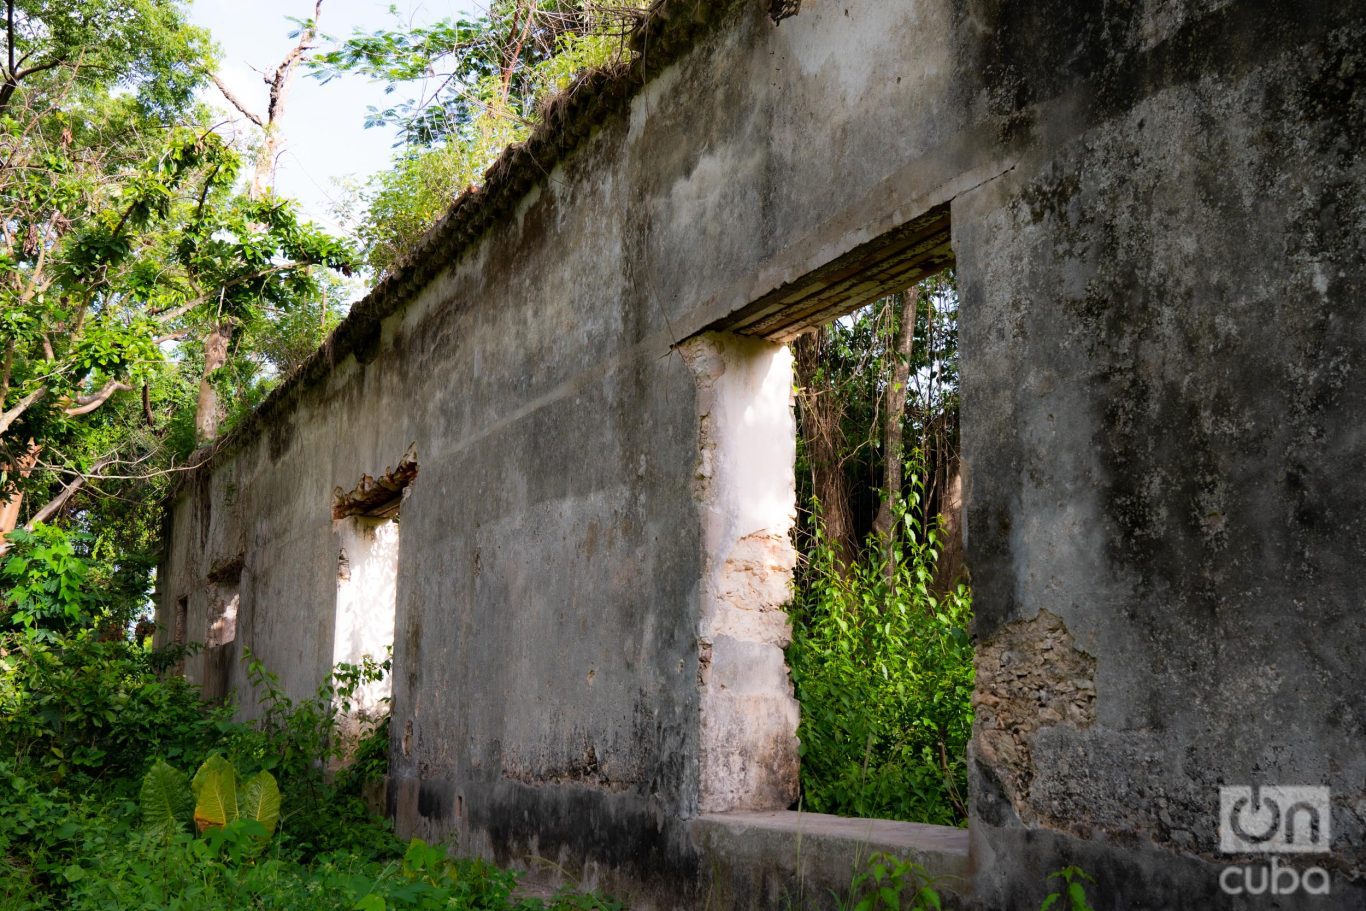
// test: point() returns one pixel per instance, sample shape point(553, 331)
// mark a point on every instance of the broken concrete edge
point(1037, 656)
point(816, 856)
point(669, 30)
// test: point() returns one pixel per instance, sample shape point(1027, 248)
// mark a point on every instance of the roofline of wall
point(670, 29)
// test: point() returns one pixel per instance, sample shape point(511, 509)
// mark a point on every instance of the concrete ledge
point(808, 860)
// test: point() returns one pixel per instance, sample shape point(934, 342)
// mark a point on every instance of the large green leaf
point(260, 800)
point(215, 793)
point(165, 799)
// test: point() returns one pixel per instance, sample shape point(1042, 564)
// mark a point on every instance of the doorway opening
point(366, 521)
point(220, 634)
point(881, 658)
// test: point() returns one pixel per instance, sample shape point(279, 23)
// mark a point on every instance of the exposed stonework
point(1030, 675)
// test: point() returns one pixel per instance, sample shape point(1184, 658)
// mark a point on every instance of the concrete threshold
point(753, 858)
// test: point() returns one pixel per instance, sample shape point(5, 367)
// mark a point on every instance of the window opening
point(366, 522)
point(871, 606)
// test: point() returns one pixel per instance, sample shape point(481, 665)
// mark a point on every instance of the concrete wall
point(1157, 214)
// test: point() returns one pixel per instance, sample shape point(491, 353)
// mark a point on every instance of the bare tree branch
point(87, 403)
point(53, 506)
point(9, 33)
point(20, 407)
point(279, 82)
point(236, 102)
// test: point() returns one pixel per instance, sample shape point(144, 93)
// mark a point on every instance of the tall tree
point(279, 80)
point(823, 413)
point(123, 244)
point(877, 391)
point(143, 44)
point(894, 412)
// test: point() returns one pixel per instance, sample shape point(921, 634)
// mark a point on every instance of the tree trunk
point(279, 83)
point(9, 509)
point(206, 414)
point(893, 438)
point(821, 411)
point(263, 173)
point(952, 551)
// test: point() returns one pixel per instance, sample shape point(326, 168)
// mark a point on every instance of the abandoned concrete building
point(572, 411)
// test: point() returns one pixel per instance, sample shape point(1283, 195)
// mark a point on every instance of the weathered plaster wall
point(1157, 213)
point(1163, 405)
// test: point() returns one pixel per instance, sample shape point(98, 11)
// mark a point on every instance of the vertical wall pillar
point(746, 493)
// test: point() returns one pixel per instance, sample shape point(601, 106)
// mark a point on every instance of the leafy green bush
point(889, 883)
point(79, 705)
point(60, 849)
point(218, 800)
point(1073, 889)
point(300, 742)
point(84, 828)
point(882, 666)
point(49, 583)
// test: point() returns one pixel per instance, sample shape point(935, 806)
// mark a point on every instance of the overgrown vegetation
point(881, 656)
point(890, 883)
point(882, 665)
point(471, 87)
point(96, 741)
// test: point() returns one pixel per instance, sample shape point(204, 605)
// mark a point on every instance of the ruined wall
point(1162, 340)
point(1157, 217)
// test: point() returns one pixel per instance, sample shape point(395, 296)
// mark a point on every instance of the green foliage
point(857, 353)
point(63, 849)
point(889, 883)
point(92, 821)
point(1072, 878)
point(369, 763)
point(260, 800)
point(882, 666)
point(49, 583)
point(125, 245)
point(79, 706)
point(145, 45)
point(496, 70)
point(165, 799)
point(217, 801)
point(501, 62)
point(215, 793)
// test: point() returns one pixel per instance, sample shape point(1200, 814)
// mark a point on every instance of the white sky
point(324, 125)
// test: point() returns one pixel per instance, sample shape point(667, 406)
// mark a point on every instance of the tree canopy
point(127, 244)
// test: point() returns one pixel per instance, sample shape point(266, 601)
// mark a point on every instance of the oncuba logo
point(1274, 820)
